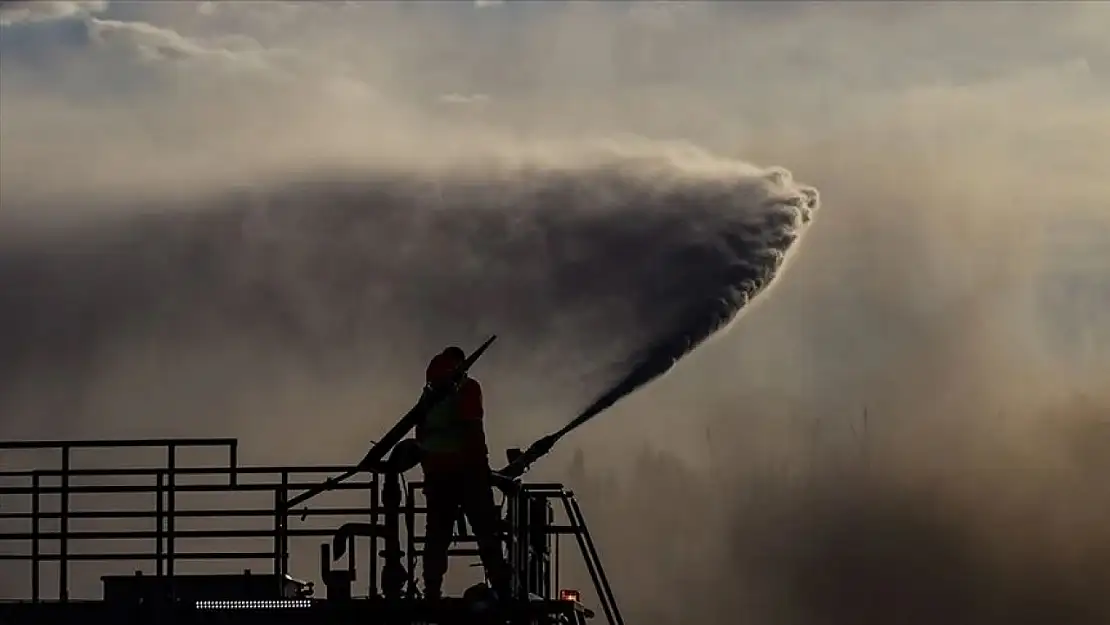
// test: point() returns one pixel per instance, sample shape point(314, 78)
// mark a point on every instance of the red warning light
point(569, 595)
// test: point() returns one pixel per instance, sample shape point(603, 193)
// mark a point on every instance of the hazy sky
point(178, 76)
point(958, 274)
point(266, 83)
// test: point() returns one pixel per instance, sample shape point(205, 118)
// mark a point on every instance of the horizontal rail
point(137, 442)
point(182, 514)
point(181, 488)
point(195, 534)
point(200, 514)
point(546, 490)
point(178, 534)
point(146, 557)
point(223, 555)
point(153, 472)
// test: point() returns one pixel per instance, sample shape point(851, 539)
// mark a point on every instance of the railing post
point(171, 508)
point(374, 504)
point(63, 529)
point(36, 592)
point(278, 512)
point(352, 559)
point(233, 463)
point(513, 538)
point(160, 524)
point(539, 546)
point(557, 555)
point(283, 533)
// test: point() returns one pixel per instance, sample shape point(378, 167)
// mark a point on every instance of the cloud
point(464, 99)
point(47, 10)
point(151, 43)
point(658, 14)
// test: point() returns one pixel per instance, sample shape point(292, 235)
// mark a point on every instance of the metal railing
point(163, 486)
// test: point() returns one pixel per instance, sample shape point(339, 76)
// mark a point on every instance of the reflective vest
point(444, 430)
point(452, 432)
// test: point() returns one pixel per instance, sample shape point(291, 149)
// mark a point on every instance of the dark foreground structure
point(178, 534)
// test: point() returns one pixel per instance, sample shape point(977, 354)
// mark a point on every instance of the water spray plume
point(599, 275)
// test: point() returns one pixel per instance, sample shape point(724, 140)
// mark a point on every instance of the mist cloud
point(615, 267)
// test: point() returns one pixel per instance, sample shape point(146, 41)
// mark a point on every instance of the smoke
point(955, 287)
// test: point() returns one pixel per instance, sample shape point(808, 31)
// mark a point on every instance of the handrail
point(163, 513)
point(34, 488)
point(231, 443)
point(66, 449)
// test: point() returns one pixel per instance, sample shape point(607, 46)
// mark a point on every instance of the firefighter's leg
point(441, 498)
point(480, 511)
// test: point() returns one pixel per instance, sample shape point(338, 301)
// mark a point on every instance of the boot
point(501, 587)
point(503, 593)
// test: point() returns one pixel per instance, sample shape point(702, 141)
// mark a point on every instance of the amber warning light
point(569, 595)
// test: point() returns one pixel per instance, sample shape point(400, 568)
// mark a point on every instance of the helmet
point(444, 364)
